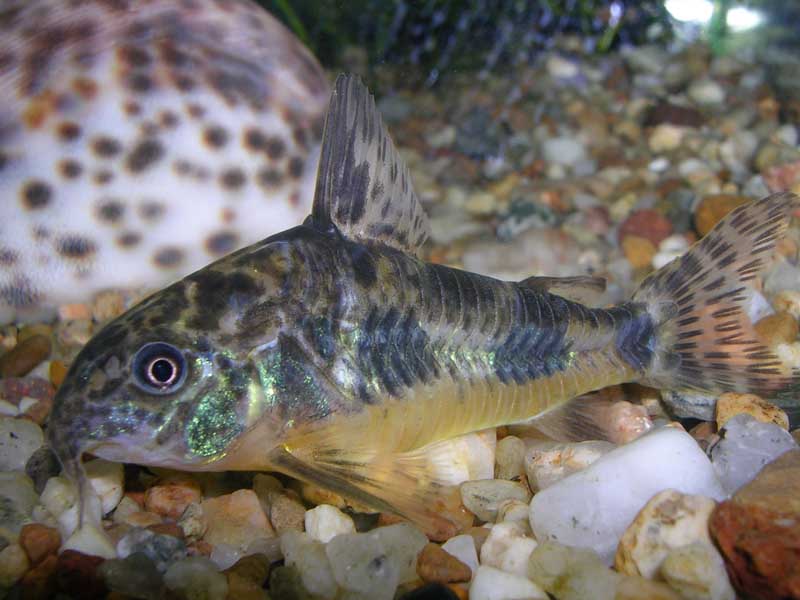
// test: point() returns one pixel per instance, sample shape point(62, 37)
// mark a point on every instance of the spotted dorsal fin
point(363, 186)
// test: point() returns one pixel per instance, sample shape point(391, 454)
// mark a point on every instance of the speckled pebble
point(17, 500)
point(19, 439)
point(286, 513)
point(163, 550)
point(697, 572)
point(193, 522)
point(509, 458)
point(669, 520)
point(360, 564)
point(170, 497)
point(135, 576)
point(548, 463)
point(483, 497)
point(731, 404)
point(508, 547)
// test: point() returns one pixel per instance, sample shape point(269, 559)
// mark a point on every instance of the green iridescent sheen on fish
point(333, 353)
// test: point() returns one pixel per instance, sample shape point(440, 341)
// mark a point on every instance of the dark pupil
point(162, 370)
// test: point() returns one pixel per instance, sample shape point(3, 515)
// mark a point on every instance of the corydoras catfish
point(332, 353)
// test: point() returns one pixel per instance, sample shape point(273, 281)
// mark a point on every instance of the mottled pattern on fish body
point(141, 140)
point(373, 337)
point(332, 353)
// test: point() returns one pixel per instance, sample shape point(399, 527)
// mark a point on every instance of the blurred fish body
point(331, 352)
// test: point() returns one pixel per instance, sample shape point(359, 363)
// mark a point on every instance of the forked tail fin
point(705, 305)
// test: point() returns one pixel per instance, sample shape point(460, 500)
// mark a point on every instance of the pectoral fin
point(410, 484)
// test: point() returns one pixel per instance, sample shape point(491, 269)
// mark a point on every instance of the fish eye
point(159, 368)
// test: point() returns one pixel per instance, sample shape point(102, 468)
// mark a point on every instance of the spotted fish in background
point(142, 139)
point(332, 353)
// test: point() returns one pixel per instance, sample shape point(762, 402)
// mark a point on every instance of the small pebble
point(731, 404)
point(17, 501)
point(712, 208)
point(778, 328)
point(77, 575)
point(135, 576)
point(438, 566)
point(162, 549)
point(548, 463)
point(483, 497)
point(746, 446)
point(360, 564)
point(19, 439)
point(697, 572)
point(493, 584)
point(193, 522)
point(196, 577)
point(170, 497)
point(107, 479)
point(26, 356)
point(13, 564)
point(668, 521)
point(235, 519)
point(307, 556)
point(463, 548)
point(39, 541)
point(638, 250)
point(325, 522)
point(286, 513)
point(508, 547)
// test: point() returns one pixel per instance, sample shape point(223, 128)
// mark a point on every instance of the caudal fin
point(705, 305)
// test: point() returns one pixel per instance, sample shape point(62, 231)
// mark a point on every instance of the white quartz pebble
point(402, 543)
point(107, 479)
point(592, 508)
point(508, 547)
point(493, 584)
point(308, 556)
point(325, 522)
point(19, 439)
point(360, 564)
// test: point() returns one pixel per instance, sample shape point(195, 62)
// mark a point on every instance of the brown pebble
point(171, 497)
point(39, 541)
point(438, 566)
point(40, 581)
point(731, 404)
point(14, 390)
point(76, 574)
point(107, 305)
point(712, 208)
point(638, 250)
point(33, 329)
point(58, 371)
point(25, 356)
point(200, 548)
point(705, 434)
point(648, 224)
point(253, 568)
point(778, 328)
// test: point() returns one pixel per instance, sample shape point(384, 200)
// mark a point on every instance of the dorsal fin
point(583, 289)
point(363, 186)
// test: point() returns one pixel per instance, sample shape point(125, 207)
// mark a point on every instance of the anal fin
point(415, 485)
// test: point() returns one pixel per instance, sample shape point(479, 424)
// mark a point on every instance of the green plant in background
point(443, 34)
